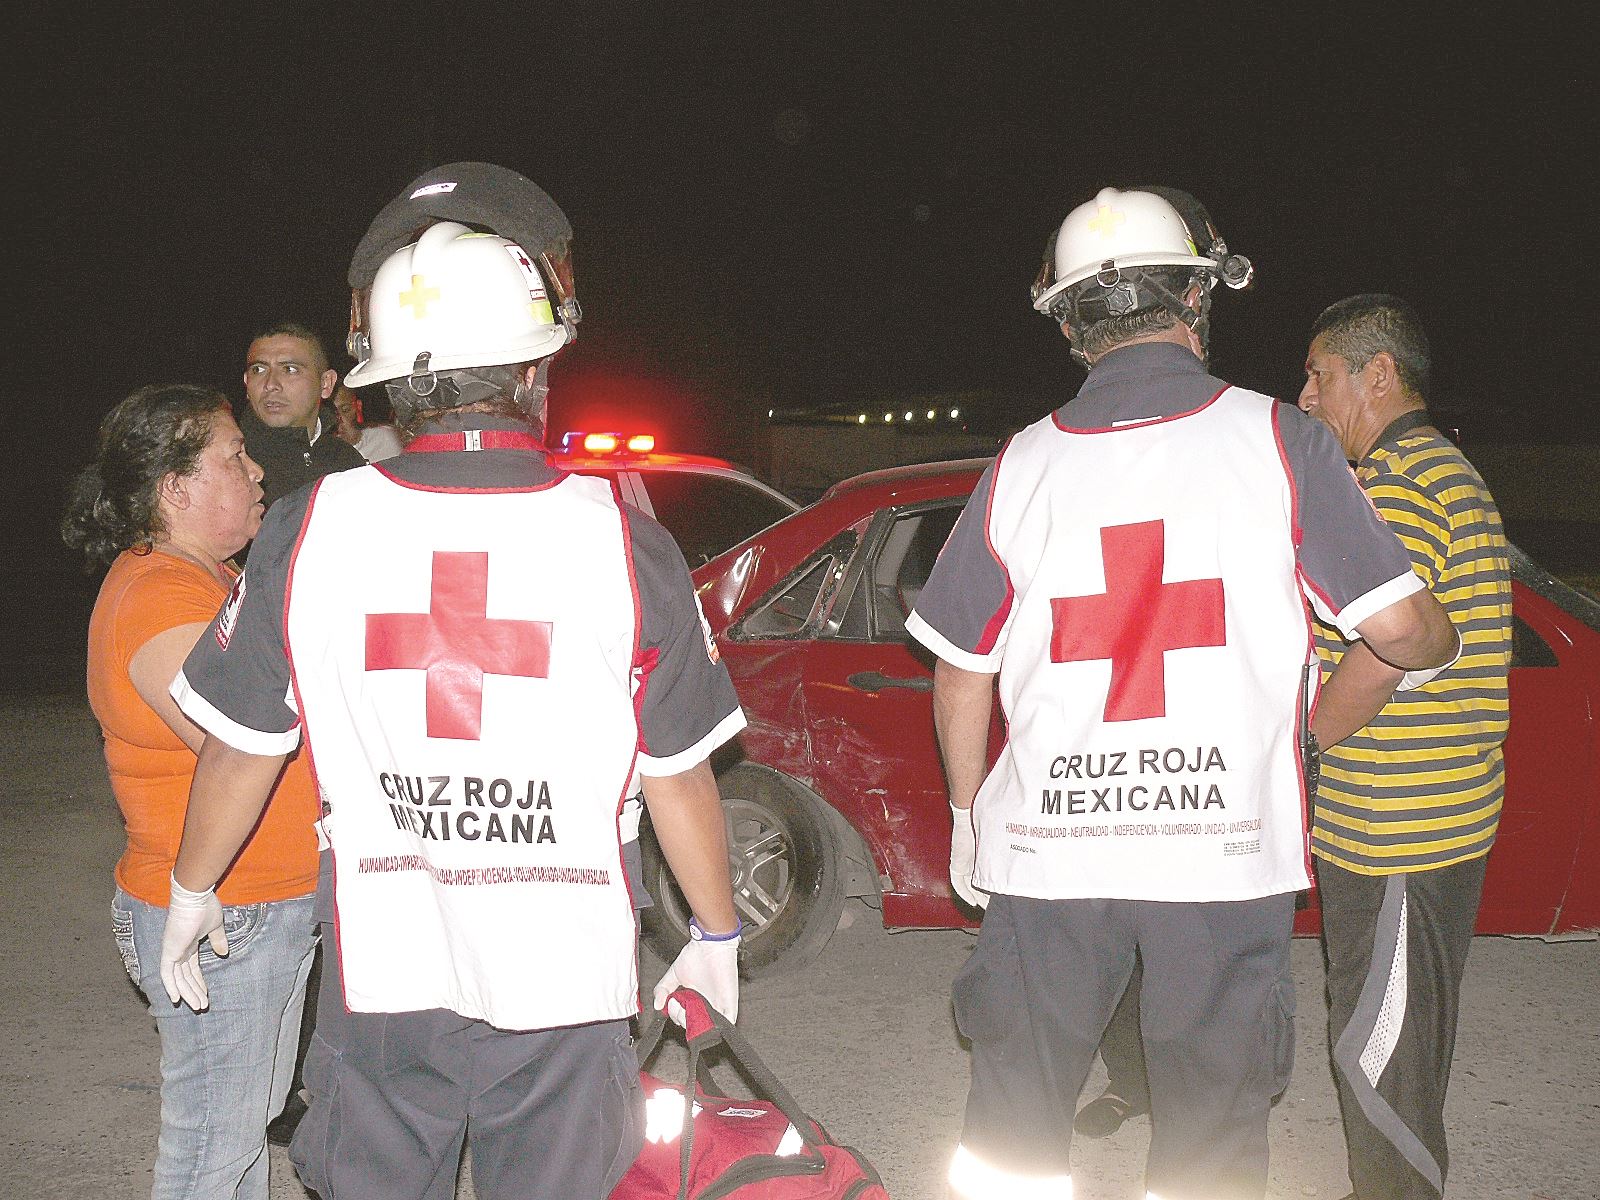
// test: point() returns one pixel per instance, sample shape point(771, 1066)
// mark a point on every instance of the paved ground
point(864, 1038)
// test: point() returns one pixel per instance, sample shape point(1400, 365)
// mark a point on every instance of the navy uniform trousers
point(554, 1114)
point(1216, 1012)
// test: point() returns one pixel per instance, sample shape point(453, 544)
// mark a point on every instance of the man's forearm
point(686, 815)
point(1355, 693)
point(229, 791)
point(963, 702)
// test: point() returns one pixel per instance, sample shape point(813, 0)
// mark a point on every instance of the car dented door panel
point(869, 692)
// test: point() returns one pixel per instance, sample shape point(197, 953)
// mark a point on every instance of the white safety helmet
point(1106, 258)
point(1116, 230)
point(453, 299)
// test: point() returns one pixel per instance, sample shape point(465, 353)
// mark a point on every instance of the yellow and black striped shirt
point(1421, 786)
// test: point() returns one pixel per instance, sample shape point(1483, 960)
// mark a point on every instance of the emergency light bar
point(608, 443)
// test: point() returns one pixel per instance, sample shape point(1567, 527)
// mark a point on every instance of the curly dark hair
point(158, 430)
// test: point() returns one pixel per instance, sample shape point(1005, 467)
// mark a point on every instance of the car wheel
point(787, 886)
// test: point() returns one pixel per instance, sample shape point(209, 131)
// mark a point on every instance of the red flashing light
point(607, 444)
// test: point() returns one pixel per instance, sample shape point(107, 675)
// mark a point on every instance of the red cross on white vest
point(1136, 620)
point(457, 644)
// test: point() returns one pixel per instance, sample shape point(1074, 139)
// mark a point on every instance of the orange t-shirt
point(151, 769)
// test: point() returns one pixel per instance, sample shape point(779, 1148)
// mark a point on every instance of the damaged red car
point(836, 791)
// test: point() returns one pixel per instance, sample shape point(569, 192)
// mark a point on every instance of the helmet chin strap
point(427, 390)
point(531, 397)
point(1199, 322)
point(1197, 319)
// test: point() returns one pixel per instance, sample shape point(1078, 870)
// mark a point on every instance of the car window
point(709, 513)
point(901, 565)
point(1528, 649)
point(792, 606)
point(795, 605)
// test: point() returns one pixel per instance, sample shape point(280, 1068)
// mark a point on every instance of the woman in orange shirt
point(170, 499)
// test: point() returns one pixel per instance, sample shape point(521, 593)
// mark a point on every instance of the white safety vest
point(463, 665)
point(1153, 663)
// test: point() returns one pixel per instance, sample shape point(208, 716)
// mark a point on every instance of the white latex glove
point(964, 857)
point(190, 917)
point(710, 968)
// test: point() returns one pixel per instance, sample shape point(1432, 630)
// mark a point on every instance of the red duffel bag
point(704, 1147)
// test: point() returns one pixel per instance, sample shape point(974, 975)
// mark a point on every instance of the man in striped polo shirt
point(1408, 803)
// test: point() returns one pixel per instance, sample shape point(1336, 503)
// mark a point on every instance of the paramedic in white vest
point(1133, 574)
point(486, 658)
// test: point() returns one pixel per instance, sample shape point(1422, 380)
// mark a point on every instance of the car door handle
point(873, 681)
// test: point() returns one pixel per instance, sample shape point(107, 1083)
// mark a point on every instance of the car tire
point(788, 886)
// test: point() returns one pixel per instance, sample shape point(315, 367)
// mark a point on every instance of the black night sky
point(789, 204)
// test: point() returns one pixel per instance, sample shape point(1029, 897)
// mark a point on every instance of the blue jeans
point(225, 1072)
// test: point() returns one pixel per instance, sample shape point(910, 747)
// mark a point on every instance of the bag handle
point(651, 1029)
point(706, 1028)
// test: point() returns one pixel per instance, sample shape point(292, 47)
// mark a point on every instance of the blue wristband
point(700, 935)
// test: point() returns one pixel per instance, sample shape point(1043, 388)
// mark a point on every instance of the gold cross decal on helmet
point(1106, 219)
point(418, 297)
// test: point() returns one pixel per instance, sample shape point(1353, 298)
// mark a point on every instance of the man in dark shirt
point(290, 429)
point(288, 426)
